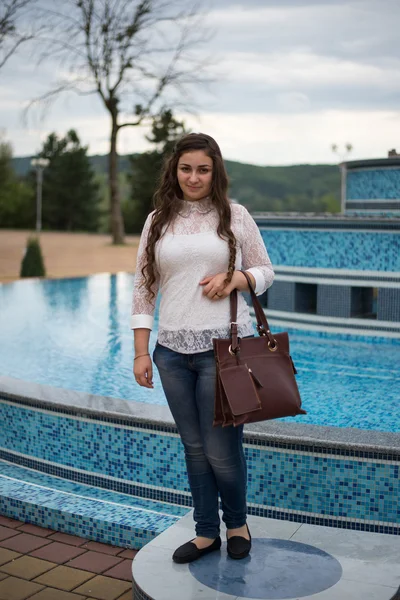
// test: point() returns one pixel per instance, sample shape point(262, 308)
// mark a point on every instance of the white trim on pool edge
point(326, 271)
point(93, 474)
point(317, 227)
point(329, 319)
point(280, 322)
point(332, 281)
point(89, 498)
point(178, 517)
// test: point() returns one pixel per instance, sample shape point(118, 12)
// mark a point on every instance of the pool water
point(74, 334)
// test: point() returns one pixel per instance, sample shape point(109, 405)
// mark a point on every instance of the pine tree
point(17, 203)
point(32, 263)
point(70, 193)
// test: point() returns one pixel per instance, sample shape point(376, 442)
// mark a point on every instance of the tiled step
point(82, 510)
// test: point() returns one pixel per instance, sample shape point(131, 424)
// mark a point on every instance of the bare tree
point(11, 35)
point(136, 55)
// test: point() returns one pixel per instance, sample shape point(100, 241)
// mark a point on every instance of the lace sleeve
point(142, 308)
point(255, 257)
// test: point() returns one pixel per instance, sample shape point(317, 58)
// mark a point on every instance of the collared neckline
point(202, 206)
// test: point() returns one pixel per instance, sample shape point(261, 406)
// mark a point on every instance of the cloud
point(364, 30)
point(292, 76)
point(301, 138)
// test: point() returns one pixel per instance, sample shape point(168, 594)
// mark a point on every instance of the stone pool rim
point(129, 412)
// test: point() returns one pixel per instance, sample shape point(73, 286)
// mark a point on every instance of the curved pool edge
point(81, 403)
point(113, 470)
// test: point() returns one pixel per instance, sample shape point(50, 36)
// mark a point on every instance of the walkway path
point(41, 564)
point(68, 254)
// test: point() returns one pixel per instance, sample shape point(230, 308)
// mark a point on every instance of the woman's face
point(195, 174)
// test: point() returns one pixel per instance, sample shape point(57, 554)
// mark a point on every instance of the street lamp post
point(39, 164)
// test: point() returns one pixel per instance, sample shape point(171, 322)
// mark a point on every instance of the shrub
point(32, 263)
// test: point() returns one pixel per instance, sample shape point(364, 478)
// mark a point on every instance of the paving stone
point(7, 522)
point(35, 530)
point(104, 588)
point(104, 548)
point(64, 578)
point(7, 555)
point(66, 538)
point(3, 576)
point(128, 554)
point(95, 562)
point(127, 596)
point(24, 543)
point(17, 589)
point(58, 553)
point(52, 594)
point(6, 532)
point(121, 571)
point(27, 567)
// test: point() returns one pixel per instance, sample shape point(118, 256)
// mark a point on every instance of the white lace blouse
point(189, 251)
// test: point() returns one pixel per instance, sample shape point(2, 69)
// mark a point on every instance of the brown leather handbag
point(255, 376)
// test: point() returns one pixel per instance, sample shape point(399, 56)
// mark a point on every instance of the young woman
point(191, 250)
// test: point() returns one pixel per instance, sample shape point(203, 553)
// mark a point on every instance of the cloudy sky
point(292, 78)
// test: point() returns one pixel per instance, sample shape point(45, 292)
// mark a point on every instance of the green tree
point(70, 191)
point(32, 263)
point(17, 208)
point(146, 168)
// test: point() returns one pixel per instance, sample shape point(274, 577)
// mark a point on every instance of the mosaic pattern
point(90, 492)
point(22, 502)
point(373, 184)
point(324, 485)
point(298, 479)
point(359, 250)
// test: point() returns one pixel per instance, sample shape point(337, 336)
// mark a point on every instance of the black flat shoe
point(189, 552)
point(238, 547)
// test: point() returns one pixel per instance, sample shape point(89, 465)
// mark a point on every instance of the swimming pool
point(85, 451)
point(74, 334)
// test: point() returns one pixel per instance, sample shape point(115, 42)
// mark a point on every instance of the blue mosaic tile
point(88, 491)
point(289, 479)
point(324, 485)
point(329, 249)
point(373, 183)
point(128, 528)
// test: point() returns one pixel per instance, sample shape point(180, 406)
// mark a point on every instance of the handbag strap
point(262, 323)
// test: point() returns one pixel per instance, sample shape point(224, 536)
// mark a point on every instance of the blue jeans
point(214, 456)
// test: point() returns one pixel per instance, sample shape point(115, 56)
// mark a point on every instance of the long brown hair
point(167, 196)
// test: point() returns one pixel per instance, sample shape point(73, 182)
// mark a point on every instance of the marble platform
point(288, 561)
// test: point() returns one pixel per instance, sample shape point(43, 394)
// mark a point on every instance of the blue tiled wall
point(389, 304)
point(324, 485)
point(373, 184)
point(357, 250)
point(334, 300)
point(289, 480)
point(281, 296)
point(94, 446)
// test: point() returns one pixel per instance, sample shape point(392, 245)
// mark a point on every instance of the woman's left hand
point(215, 288)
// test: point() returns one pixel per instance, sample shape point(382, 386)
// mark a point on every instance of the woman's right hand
point(143, 371)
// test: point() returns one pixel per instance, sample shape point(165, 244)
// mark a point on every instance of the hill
point(297, 187)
